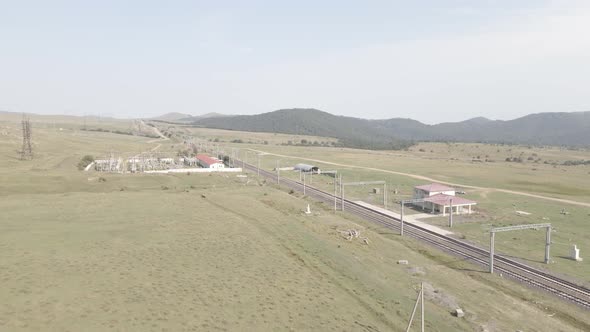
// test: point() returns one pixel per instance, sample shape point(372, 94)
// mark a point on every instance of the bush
point(85, 161)
point(101, 179)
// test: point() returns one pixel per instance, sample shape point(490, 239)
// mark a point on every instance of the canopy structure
point(307, 168)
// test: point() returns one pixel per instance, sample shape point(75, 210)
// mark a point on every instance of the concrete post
point(258, 163)
point(414, 311)
point(451, 214)
point(278, 174)
point(385, 196)
point(335, 199)
point(401, 230)
point(303, 184)
point(341, 194)
point(492, 234)
point(547, 244)
point(422, 306)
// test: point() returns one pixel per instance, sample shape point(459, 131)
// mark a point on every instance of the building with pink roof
point(439, 198)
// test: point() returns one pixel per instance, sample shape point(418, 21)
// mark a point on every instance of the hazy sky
point(433, 61)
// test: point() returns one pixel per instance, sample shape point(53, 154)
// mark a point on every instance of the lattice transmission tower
point(27, 149)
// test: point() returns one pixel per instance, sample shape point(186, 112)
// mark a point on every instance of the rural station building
point(438, 198)
point(209, 162)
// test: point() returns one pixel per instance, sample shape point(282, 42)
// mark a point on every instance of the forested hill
point(570, 129)
point(351, 132)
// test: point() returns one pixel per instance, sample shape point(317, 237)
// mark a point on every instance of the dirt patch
point(439, 297)
point(416, 271)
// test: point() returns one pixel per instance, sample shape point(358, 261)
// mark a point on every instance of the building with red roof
point(439, 198)
point(207, 161)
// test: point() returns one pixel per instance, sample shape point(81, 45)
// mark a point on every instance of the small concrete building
point(439, 198)
point(209, 162)
point(307, 168)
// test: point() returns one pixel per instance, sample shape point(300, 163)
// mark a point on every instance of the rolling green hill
point(561, 129)
point(351, 132)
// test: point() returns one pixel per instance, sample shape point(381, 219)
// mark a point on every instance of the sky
point(433, 61)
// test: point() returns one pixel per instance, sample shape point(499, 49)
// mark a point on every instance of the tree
point(85, 161)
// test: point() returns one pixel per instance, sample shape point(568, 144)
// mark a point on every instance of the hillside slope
point(568, 129)
point(351, 132)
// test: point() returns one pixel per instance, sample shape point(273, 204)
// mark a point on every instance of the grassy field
point(493, 209)
point(249, 138)
point(212, 252)
point(569, 182)
point(453, 163)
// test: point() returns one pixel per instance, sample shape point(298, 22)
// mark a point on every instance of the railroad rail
point(560, 287)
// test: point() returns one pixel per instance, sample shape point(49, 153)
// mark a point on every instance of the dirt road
point(157, 131)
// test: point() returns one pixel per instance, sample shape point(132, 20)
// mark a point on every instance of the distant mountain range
point(567, 129)
point(181, 117)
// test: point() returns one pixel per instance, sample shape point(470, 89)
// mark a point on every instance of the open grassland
point(252, 138)
point(463, 163)
point(493, 209)
point(214, 252)
point(453, 163)
point(568, 182)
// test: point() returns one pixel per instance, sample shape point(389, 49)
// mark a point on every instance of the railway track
point(564, 289)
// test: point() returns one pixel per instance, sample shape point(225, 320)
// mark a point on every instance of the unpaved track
point(158, 132)
point(425, 178)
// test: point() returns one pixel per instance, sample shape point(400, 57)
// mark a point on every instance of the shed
point(306, 168)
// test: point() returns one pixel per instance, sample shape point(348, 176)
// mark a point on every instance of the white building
point(439, 198)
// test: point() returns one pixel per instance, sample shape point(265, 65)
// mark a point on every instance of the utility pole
point(385, 196)
point(341, 194)
point(401, 219)
point(547, 244)
point(335, 199)
point(422, 307)
point(303, 184)
point(27, 149)
point(492, 234)
point(419, 298)
point(278, 174)
point(451, 214)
